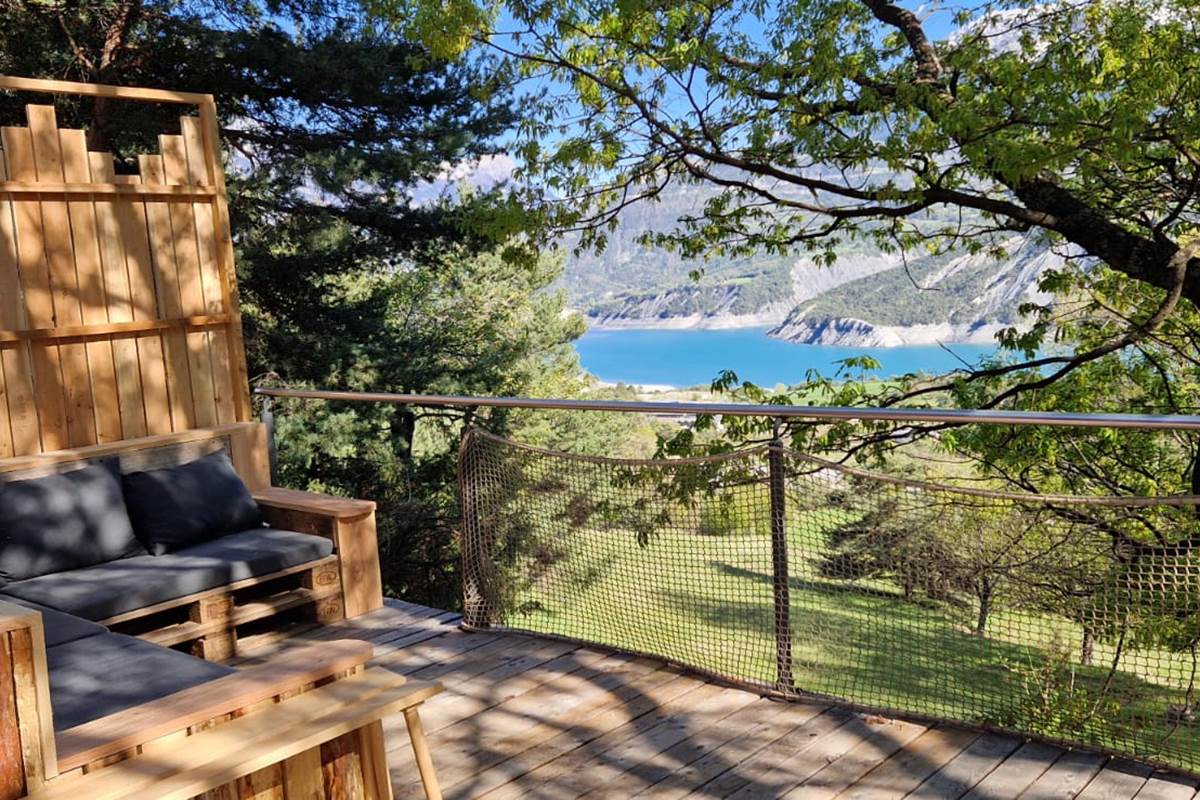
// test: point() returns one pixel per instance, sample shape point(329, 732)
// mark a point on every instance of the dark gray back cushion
point(64, 521)
point(179, 506)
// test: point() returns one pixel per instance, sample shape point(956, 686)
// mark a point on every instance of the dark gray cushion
point(100, 675)
point(64, 521)
point(59, 627)
point(106, 590)
point(175, 507)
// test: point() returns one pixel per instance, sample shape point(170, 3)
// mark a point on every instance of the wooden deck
point(524, 717)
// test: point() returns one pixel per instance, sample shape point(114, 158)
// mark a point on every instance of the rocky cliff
point(963, 299)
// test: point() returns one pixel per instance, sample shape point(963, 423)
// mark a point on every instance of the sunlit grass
point(707, 601)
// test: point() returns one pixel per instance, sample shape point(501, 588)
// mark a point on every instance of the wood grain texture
point(19, 433)
point(92, 295)
point(525, 717)
point(116, 732)
point(351, 525)
point(118, 296)
point(223, 753)
point(341, 768)
point(12, 768)
point(47, 400)
point(101, 90)
point(34, 717)
point(303, 779)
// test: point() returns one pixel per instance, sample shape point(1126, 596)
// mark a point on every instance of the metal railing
point(801, 577)
point(899, 414)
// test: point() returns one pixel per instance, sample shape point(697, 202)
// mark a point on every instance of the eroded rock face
point(966, 299)
point(866, 299)
point(687, 307)
point(849, 332)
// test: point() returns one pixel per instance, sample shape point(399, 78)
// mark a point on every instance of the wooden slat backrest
point(118, 297)
point(244, 441)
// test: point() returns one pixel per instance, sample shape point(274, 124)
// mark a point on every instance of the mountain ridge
point(867, 297)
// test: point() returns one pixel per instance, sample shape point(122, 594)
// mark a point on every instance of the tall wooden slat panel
point(191, 285)
point(35, 286)
point(92, 294)
point(19, 433)
point(170, 303)
point(64, 281)
point(118, 314)
point(143, 296)
point(210, 272)
point(119, 299)
point(225, 263)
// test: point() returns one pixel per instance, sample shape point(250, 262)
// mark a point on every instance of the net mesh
point(1074, 619)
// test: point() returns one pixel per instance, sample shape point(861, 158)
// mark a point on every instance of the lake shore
point(665, 359)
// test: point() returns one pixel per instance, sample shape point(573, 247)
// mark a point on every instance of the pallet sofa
point(315, 562)
point(121, 355)
point(114, 663)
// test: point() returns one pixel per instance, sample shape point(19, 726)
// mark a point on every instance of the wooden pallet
point(209, 624)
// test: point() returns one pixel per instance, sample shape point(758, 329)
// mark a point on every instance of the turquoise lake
point(695, 357)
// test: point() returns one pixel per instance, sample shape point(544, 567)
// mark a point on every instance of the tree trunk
point(404, 428)
point(984, 594)
point(1087, 647)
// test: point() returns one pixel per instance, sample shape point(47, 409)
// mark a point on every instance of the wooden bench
point(308, 724)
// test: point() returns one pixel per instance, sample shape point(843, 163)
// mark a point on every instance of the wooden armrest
point(127, 729)
point(349, 523)
point(15, 617)
point(227, 752)
point(325, 505)
point(27, 754)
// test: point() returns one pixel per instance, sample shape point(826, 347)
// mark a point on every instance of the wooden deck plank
point(765, 772)
point(538, 714)
point(1067, 777)
point(909, 767)
point(968, 768)
point(824, 750)
point(1018, 771)
point(500, 685)
point(631, 699)
point(645, 760)
point(1160, 787)
point(872, 750)
point(572, 773)
point(530, 717)
point(743, 734)
point(1119, 780)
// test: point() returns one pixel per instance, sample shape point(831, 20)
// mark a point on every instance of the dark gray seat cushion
point(176, 507)
point(59, 627)
point(100, 675)
point(106, 590)
point(64, 521)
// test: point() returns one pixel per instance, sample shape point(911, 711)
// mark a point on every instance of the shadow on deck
point(524, 717)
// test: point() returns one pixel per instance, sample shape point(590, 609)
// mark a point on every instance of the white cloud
point(481, 173)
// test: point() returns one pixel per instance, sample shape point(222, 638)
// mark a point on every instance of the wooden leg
point(421, 750)
point(219, 645)
point(376, 779)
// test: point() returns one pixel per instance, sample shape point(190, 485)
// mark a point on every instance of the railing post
point(477, 613)
point(268, 420)
point(777, 479)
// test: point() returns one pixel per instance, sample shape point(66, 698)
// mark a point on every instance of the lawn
point(706, 600)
